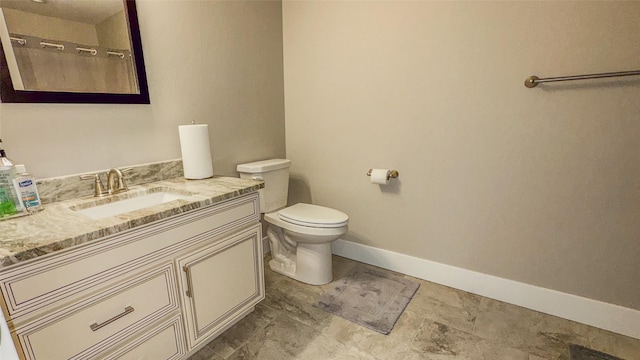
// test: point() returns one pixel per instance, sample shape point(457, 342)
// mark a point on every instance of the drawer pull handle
point(189, 292)
point(96, 326)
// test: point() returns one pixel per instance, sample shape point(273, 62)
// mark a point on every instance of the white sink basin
point(131, 204)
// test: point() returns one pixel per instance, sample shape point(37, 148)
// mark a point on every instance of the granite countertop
point(58, 226)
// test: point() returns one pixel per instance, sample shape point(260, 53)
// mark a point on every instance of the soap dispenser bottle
point(9, 202)
point(25, 185)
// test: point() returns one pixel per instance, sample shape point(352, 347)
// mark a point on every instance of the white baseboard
point(602, 315)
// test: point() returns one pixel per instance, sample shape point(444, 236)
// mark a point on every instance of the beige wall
point(541, 185)
point(51, 28)
point(214, 62)
point(112, 32)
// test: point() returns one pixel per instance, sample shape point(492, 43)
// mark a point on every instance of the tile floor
point(439, 323)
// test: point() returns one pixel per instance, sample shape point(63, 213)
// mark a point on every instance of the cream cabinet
point(158, 291)
point(221, 282)
point(161, 342)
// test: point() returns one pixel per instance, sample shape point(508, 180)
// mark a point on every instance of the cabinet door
point(221, 282)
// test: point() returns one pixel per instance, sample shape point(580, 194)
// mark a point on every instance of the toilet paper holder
point(391, 174)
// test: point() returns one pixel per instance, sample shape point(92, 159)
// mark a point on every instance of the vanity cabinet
point(158, 291)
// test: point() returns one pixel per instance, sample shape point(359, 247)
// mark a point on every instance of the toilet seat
point(313, 216)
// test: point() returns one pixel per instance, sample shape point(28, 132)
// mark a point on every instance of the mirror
point(71, 51)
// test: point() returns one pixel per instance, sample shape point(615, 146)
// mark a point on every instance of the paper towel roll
point(196, 151)
point(380, 176)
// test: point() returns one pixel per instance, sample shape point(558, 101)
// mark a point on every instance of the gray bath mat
point(369, 297)
point(578, 352)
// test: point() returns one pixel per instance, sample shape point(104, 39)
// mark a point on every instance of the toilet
point(300, 235)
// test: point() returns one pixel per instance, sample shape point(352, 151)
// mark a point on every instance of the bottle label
point(30, 199)
point(28, 193)
point(4, 196)
point(7, 206)
point(6, 182)
point(25, 183)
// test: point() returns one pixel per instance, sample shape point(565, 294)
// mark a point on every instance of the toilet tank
point(275, 174)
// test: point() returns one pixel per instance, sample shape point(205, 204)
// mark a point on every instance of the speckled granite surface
point(71, 187)
point(58, 226)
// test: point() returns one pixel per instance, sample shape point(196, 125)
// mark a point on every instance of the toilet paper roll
point(196, 151)
point(380, 176)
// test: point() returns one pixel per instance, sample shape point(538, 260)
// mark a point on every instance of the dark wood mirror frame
point(9, 95)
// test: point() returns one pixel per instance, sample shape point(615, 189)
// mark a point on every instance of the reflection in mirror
point(72, 51)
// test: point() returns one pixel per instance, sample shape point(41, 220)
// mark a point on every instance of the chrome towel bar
point(533, 81)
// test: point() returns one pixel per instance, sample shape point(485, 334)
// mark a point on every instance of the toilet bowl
point(300, 235)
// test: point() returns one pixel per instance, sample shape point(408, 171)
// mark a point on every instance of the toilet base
point(311, 264)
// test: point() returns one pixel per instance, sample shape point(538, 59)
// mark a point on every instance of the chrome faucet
point(115, 181)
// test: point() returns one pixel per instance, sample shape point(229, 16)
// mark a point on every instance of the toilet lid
point(313, 216)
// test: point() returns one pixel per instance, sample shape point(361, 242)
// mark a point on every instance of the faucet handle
point(122, 185)
point(99, 186)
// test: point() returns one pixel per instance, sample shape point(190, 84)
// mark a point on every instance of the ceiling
point(84, 11)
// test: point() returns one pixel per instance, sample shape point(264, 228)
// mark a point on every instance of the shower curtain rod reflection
point(23, 42)
point(47, 44)
point(118, 54)
point(64, 66)
point(93, 52)
point(20, 41)
point(533, 81)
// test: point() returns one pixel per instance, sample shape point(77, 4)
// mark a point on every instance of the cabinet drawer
point(164, 342)
point(87, 328)
point(69, 275)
